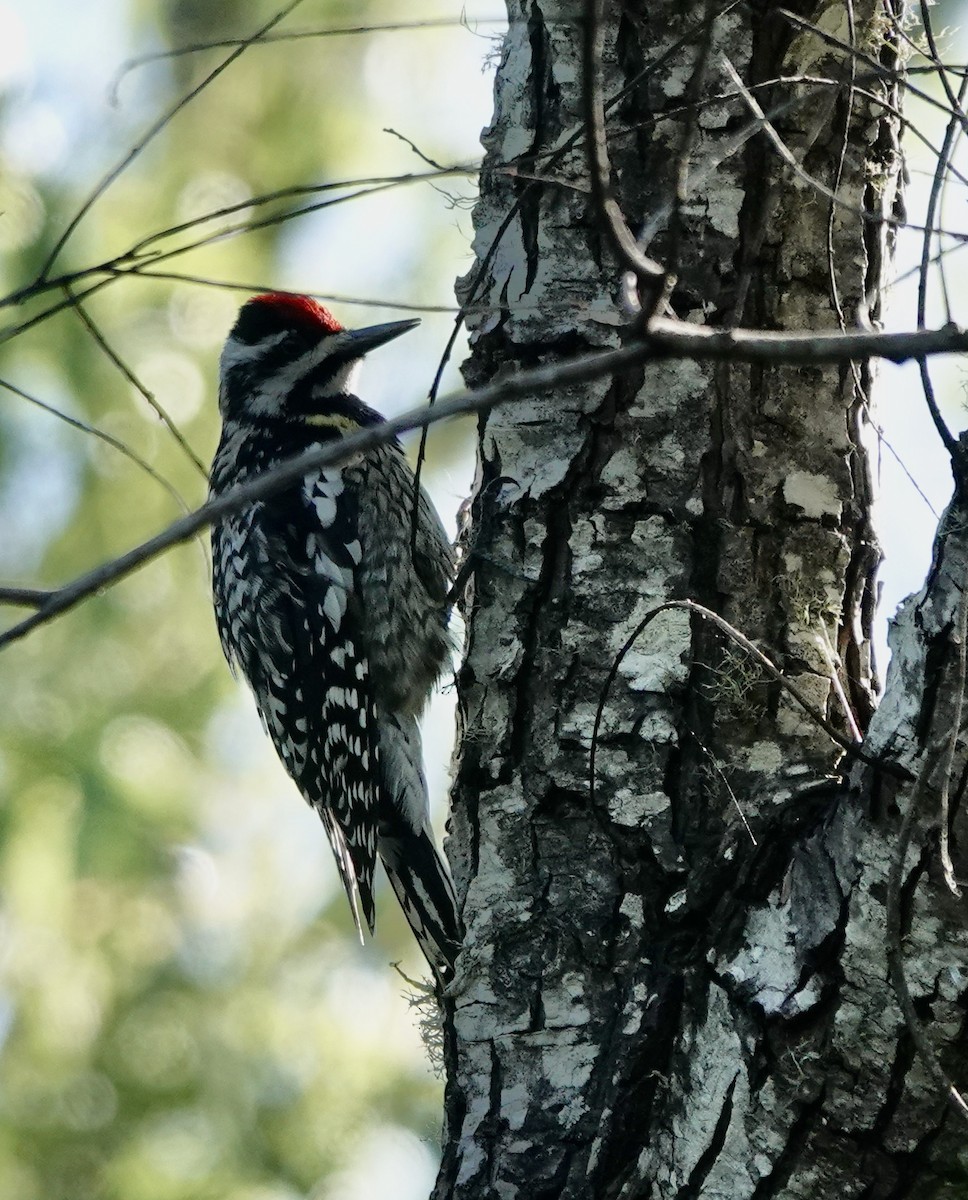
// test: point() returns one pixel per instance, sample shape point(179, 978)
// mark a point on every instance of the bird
point(331, 599)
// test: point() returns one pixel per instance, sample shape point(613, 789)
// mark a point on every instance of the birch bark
point(676, 983)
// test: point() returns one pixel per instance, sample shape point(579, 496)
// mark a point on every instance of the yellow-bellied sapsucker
point(336, 620)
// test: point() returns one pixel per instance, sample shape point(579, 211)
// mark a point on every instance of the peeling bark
point(676, 984)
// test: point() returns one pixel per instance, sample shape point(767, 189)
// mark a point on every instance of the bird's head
point(287, 356)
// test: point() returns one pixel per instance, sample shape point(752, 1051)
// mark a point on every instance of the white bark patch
point(515, 1106)
point(565, 1005)
point(723, 211)
point(669, 452)
point(767, 964)
point(816, 495)
point(635, 1010)
point(512, 137)
point(477, 1064)
point(895, 722)
point(494, 881)
point(677, 80)
point(585, 553)
point(565, 64)
point(579, 724)
point(621, 472)
point(533, 445)
point(566, 1064)
point(658, 657)
point(763, 758)
point(509, 268)
point(633, 808)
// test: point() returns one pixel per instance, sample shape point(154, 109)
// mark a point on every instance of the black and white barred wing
point(287, 630)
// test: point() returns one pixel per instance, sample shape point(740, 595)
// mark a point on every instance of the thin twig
point(323, 297)
point(362, 184)
point(296, 35)
point(829, 653)
point(103, 436)
point(153, 131)
point(726, 784)
point(947, 866)
point(856, 52)
point(933, 56)
point(414, 147)
point(477, 284)
point(769, 667)
point(948, 439)
point(134, 262)
point(141, 252)
point(122, 366)
point(762, 121)
point(649, 274)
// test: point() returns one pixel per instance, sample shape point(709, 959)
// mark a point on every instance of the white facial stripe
point(345, 380)
point(269, 396)
point(236, 354)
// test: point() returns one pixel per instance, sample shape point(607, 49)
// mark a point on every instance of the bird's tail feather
point(359, 889)
point(405, 840)
point(423, 886)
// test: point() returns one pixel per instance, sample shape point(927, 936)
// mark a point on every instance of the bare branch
point(679, 339)
point(24, 597)
point(295, 36)
point(665, 338)
point(517, 387)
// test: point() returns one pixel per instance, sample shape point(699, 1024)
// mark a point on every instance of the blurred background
point(184, 1010)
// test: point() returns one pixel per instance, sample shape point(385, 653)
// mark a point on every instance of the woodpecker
point(331, 607)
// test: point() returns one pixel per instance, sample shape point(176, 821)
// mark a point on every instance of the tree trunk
point(676, 977)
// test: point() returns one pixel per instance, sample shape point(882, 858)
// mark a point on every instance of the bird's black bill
point(362, 341)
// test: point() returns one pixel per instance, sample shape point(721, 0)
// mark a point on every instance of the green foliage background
point(183, 1010)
